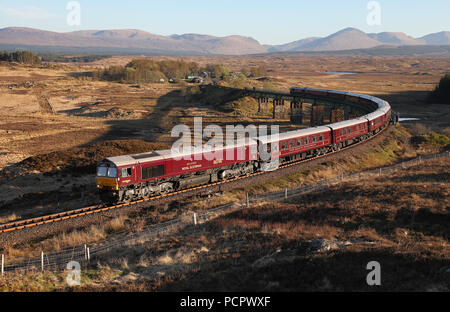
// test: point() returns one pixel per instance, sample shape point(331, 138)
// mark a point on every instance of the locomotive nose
point(107, 184)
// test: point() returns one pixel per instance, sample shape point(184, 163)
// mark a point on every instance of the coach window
point(291, 143)
point(126, 172)
point(320, 137)
point(283, 145)
point(349, 130)
point(345, 131)
point(307, 140)
point(314, 139)
point(299, 142)
point(275, 147)
point(341, 132)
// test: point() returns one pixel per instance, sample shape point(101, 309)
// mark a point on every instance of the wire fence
point(61, 259)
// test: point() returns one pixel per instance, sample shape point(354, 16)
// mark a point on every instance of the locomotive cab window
point(102, 171)
point(152, 172)
point(112, 172)
point(125, 172)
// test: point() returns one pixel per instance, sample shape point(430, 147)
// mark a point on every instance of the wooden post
point(3, 264)
point(42, 261)
point(247, 200)
point(85, 252)
point(195, 218)
point(88, 255)
point(285, 194)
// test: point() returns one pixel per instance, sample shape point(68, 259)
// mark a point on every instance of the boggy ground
point(401, 222)
point(319, 242)
point(55, 124)
point(54, 116)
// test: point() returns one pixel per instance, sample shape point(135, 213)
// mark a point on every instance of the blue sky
point(269, 22)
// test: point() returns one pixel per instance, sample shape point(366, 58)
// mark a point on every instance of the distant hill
point(132, 41)
point(440, 38)
point(395, 38)
point(352, 38)
point(346, 39)
point(293, 46)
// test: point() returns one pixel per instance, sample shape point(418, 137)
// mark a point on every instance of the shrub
point(147, 70)
point(441, 93)
point(438, 139)
point(23, 57)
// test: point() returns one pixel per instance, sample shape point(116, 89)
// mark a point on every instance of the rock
point(131, 277)
point(262, 262)
point(272, 286)
point(321, 245)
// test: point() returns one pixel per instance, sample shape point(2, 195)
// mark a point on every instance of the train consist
point(131, 177)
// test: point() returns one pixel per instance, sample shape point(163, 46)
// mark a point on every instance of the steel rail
point(71, 214)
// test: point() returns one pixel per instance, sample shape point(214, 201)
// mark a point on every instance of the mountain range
point(196, 44)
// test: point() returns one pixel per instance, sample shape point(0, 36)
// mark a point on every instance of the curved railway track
point(71, 214)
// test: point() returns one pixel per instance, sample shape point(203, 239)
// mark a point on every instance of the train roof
point(292, 134)
point(383, 108)
point(380, 102)
point(376, 114)
point(126, 160)
point(347, 123)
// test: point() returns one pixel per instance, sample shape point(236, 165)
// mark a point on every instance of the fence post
point(88, 255)
point(3, 264)
point(42, 261)
point(380, 171)
point(195, 218)
point(85, 252)
point(285, 193)
point(247, 200)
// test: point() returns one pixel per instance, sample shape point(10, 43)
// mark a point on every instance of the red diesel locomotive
point(130, 177)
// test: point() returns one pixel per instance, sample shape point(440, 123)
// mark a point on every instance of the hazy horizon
point(268, 22)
